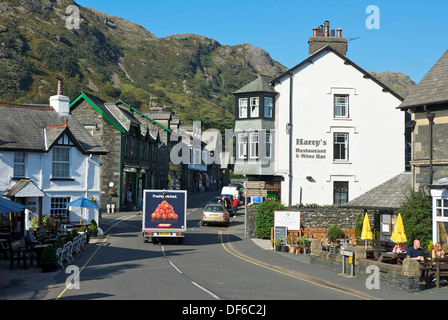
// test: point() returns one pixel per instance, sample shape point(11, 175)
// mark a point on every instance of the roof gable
point(347, 61)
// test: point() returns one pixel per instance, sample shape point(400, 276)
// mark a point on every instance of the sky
point(407, 36)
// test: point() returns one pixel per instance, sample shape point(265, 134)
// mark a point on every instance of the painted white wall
point(85, 175)
point(375, 127)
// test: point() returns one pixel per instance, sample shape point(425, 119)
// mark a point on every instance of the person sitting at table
point(437, 252)
point(400, 249)
point(415, 252)
point(31, 237)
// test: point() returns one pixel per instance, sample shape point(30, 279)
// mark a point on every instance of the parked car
point(215, 213)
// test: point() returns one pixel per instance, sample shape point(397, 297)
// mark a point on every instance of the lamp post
point(430, 117)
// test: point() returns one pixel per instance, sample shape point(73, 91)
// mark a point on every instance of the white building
point(47, 159)
point(337, 131)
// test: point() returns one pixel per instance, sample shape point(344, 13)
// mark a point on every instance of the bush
point(358, 225)
point(416, 211)
point(334, 232)
point(264, 220)
point(49, 254)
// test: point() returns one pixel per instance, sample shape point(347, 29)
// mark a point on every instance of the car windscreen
point(214, 209)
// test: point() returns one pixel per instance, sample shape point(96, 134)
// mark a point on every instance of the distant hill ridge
point(113, 59)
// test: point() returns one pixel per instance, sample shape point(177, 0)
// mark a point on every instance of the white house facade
point(337, 131)
point(48, 159)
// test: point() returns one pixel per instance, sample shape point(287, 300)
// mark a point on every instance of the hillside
point(117, 59)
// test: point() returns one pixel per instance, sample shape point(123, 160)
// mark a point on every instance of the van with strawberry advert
point(164, 215)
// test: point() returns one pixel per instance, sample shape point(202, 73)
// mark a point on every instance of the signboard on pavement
point(289, 219)
point(281, 233)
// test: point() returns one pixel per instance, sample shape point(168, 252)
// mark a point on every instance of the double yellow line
point(304, 278)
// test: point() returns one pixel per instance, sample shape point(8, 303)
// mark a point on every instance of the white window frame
point(254, 107)
point(339, 144)
point(253, 145)
point(268, 107)
point(19, 164)
point(66, 162)
point(341, 103)
point(58, 206)
point(242, 106)
point(242, 146)
point(268, 145)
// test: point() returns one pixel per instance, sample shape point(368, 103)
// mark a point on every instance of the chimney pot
point(315, 32)
point(327, 29)
point(60, 90)
point(339, 33)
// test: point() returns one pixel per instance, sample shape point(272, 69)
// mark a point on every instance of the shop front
point(439, 193)
point(135, 180)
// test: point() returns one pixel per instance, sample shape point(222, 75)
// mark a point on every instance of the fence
point(317, 233)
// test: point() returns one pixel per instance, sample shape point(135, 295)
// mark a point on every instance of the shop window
point(58, 206)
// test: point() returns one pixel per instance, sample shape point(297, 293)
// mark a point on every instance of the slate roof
point(347, 61)
point(432, 89)
point(258, 85)
point(35, 128)
point(387, 196)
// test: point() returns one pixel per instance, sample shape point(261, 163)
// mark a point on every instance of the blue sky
point(412, 34)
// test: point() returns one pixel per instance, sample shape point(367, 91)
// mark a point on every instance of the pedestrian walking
point(235, 205)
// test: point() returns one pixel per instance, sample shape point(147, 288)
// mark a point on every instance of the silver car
point(215, 213)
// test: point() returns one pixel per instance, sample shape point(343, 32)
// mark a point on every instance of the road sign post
point(250, 190)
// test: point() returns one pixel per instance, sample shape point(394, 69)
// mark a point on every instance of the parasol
point(366, 231)
point(82, 203)
point(399, 236)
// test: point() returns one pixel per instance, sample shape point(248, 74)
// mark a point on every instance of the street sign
point(254, 184)
point(255, 193)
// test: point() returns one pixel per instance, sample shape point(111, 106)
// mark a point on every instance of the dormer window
point(254, 107)
point(243, 107)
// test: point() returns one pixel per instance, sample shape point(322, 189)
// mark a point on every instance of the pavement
point(32, 284)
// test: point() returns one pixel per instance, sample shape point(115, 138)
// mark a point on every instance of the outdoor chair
point(18, 252)
point(76, 245)
point(68, 252)
point(60, 255)
point(83, 240)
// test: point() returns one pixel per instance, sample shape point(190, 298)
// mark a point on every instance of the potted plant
point(334, 232)
point(93, 228)
point(277, 244)
point(49, 259)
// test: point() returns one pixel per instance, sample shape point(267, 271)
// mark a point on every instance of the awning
point(25, 188)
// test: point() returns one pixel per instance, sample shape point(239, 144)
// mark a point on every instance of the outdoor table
point(38, 249)
point(392, 255)
point(375, 252)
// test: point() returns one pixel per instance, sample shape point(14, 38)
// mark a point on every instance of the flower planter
point(277, 247)
point(51, 266)
point(292, 250)
point(285, 249)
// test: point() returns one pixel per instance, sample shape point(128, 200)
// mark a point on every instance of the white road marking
point(205, 290)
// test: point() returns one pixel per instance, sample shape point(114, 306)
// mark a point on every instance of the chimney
point(59, 102)
point(325, 37)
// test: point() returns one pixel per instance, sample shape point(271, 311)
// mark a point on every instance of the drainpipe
point(291, 127)
point(430, 117)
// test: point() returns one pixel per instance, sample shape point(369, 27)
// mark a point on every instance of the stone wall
point(405, 277)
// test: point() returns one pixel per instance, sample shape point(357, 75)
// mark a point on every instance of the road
point(122, 267)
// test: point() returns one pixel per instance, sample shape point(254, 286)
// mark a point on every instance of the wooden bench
point(440, 270)
point(41, 235)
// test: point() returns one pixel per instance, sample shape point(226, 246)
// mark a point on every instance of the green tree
point(264, 220)
point(416, 211)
